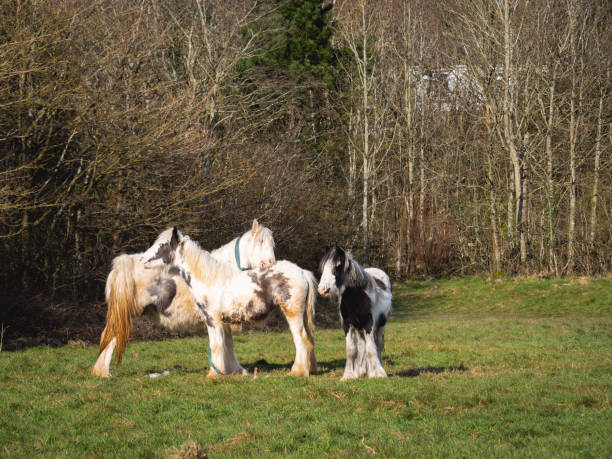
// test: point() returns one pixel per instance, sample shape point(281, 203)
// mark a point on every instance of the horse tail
point(311, 301)
point(122, 305)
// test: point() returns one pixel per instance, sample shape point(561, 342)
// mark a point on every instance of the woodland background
point(432, 138)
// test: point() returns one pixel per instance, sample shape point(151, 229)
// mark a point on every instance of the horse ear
point(174, 240)
point(255, 225)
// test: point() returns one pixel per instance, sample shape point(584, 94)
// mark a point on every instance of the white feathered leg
point(351, 354)
point(222, 353)
point(379, 337)
point(361, 367)
point(375, 368)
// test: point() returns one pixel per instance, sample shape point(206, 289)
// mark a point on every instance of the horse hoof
point(212, 374)
point(299, 373)
point(103, 375)
point(378, 374)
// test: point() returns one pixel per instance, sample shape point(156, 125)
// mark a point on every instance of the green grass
point(480, 368)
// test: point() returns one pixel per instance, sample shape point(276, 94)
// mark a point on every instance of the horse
point(132, 290)
point(226, 296)
point(364, 302)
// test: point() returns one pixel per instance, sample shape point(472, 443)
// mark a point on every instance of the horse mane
point(261, 230)
point(165, 236)
point(356, 276)
point(204, 266)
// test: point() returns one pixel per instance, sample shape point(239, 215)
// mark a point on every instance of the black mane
point(353, 275)
point(331, 253)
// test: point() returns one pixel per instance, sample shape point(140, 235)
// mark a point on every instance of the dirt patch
point(189, 450)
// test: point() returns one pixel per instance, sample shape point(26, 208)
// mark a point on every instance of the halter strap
point(212, 365)
point(237, 254)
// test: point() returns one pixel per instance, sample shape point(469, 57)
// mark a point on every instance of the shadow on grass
point(176, 369)
point(338, 364)
point(331, 365)
point(264, 365)
point(414, 372)
point(324, 367)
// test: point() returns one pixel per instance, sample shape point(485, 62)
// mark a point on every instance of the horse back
point(380, 278)
point(382, 297)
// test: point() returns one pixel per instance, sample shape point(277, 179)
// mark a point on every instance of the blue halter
point(212, 365)
point(237, 254)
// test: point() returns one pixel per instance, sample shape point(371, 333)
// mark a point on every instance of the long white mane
point(204, 266)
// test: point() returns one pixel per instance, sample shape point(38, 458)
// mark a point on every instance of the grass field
point(479, 368)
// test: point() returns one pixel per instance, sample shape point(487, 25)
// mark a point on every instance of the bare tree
point(359, 30)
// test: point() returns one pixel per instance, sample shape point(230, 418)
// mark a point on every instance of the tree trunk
point(422, 167)
point(525, 208)
point(422, 190)
point(510, 214)
point(571, 231)
point(492, 197)
point(549, 179)
point(365, 216)
point(575, 121)
point(409, 196)
point(352, 182)
point(594, 195)
point(366, 145)
point(510, 139)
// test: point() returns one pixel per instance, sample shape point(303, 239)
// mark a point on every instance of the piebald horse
point(364, 302)
point(132, 290)
point(224, 296)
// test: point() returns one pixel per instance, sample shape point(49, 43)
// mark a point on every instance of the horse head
point(333, 268)
point(257, 247)
point(163, 250)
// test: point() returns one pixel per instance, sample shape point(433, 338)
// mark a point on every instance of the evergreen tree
point(298, 44)
point(304, 46)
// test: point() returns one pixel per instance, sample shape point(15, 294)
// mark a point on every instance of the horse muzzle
point(267, 263)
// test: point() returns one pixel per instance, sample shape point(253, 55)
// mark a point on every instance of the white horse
point(131, 290)
point(364, 301)
point(224, 296)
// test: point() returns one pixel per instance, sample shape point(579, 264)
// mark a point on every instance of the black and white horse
point(364, 300)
